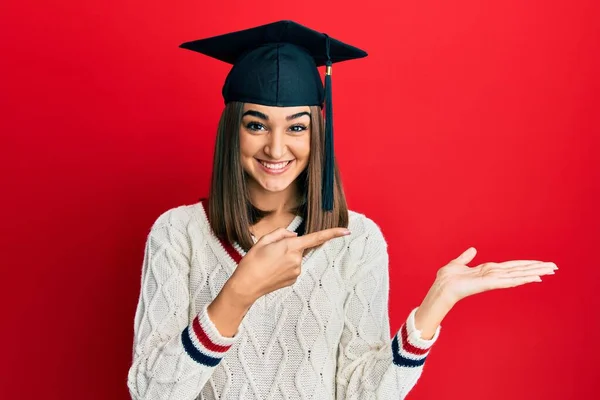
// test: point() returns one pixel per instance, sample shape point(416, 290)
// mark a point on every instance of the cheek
point(301, 148)
point(248, 147)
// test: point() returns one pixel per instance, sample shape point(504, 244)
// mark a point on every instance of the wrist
point(439, 298)
point(433, 309)
point(237, 294)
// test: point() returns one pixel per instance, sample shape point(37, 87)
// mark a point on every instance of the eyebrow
point(297, 115)
point(260, 115)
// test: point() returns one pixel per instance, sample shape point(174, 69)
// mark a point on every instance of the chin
point(275, 187)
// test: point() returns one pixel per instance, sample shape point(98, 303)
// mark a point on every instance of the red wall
point(470, 123)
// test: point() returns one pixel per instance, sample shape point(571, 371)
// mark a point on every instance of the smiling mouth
point(275, 166)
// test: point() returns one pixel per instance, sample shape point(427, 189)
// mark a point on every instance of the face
point(275, 145)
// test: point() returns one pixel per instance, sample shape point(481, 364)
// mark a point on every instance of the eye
point(255, 126)
point(298, 128)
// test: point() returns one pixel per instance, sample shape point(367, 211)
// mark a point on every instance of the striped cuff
point(203, 342)
point(408, 347)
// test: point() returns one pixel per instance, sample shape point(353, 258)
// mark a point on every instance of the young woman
point(271, 288)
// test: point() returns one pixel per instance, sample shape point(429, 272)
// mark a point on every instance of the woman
point(271, 287)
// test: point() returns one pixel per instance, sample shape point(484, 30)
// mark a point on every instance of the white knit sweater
point(325, 337)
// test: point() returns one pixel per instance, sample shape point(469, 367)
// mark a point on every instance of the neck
point(277, 202)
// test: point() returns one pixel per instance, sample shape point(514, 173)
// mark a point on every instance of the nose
point(275, 146)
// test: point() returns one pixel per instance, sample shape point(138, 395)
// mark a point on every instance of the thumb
point(276, 235)
point(467, 256)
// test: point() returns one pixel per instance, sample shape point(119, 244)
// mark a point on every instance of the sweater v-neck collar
point(235, 250)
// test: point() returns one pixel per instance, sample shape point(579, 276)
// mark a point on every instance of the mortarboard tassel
point(328, 171)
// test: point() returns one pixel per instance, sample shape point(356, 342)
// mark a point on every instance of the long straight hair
point(230, 211)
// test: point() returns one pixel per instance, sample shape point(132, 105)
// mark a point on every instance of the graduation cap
point(276, 65)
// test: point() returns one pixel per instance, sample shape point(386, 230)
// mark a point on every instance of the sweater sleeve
point(173, 357)
point(369, 363)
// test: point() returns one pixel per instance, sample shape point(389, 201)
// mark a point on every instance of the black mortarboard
point(276, 65)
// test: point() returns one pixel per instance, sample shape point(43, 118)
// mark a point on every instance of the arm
point(457, 280)
point(366, 366)
point(370, 364)
point(431, 312)
point(172, 358)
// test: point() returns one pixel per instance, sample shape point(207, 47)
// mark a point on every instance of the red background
point(470, 124)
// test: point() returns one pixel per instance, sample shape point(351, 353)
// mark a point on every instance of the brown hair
point(229, 208)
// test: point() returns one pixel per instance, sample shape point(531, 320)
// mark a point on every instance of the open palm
point(460, 281)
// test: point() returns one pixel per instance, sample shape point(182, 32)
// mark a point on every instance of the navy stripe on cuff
point(193, 352)
point(401, 361)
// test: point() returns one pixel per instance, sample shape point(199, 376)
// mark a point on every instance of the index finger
point(317, 238)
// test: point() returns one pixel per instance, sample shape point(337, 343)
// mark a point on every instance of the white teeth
point(275, 166)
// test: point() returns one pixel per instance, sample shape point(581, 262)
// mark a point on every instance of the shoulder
point(366, 241)
point(365, 251)
point(360, 225)
point(179, 224)
point(178, 217)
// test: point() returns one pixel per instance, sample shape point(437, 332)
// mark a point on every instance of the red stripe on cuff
point(205, 340)
point(409, 347)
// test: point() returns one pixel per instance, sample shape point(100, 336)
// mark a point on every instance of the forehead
point(276, 112)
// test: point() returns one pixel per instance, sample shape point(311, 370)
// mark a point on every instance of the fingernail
point(347, 232)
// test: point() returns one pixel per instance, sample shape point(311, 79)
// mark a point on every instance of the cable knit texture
point(325, 337)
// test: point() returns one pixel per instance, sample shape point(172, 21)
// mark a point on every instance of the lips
point(275, 168)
